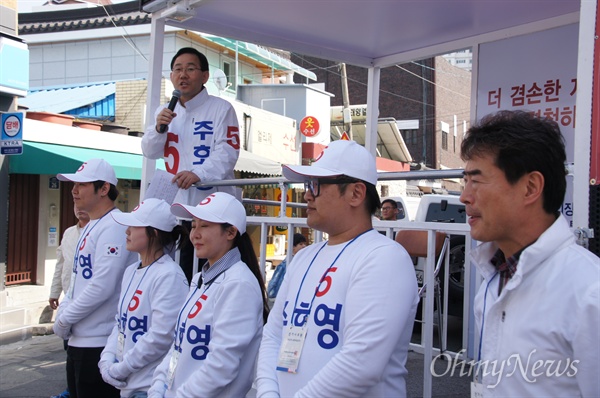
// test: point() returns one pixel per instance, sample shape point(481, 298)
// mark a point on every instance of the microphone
point(176, 94)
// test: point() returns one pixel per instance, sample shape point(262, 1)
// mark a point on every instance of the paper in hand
point(161, 187)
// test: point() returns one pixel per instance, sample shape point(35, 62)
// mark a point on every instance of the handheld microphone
point(176, 94)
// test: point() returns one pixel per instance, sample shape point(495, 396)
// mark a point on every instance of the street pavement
point(36, 368)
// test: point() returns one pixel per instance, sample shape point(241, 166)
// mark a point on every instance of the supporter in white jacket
point(65, 253)
point(219, 327)
point(86, 315)
point(342, 320)
point(202, 141)
point(537, 311)
point(151, 291)
point(64, 257)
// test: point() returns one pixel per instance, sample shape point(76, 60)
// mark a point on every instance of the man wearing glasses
point(202, 142)
point(389, 210)
point(342, 320)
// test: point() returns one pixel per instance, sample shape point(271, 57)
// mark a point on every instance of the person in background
point(151, 290)
point(64, 267)
point(389, 210)
point(202, 142)
point(218, 328)
point(299, 243)
point(537, 310)
point(343, 318)
point(86, 314)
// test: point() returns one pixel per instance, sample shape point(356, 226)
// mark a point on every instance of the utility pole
point(346, 101)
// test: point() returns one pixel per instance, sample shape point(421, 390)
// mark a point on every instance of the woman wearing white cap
point(151, 291)
point(219, 327)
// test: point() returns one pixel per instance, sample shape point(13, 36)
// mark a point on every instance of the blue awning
point(62, 99)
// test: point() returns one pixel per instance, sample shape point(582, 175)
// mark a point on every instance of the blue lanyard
point(179, 334)
point(127, 290)
point(323, 277)
point(483, 316)
point(82, 238)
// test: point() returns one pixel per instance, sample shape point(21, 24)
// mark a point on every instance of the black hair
point(372, 200)
point(113, 192)
point(189, 50)
point(390, 201)
point(522, 143)
point(167, 240)
point(244, 245)
point(298, 238)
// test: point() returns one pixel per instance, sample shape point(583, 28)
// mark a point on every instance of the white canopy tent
point(381, 33)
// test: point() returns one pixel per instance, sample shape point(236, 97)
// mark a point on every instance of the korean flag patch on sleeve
point(113, 250)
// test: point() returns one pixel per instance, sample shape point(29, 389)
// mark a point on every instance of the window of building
point(445, 127)
point(229, 71)
point(410, 137)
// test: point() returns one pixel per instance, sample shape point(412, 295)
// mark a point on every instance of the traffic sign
point(12, 134)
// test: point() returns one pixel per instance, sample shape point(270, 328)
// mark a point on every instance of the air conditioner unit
point(279, 243)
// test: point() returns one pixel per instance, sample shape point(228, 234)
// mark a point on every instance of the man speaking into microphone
point(197, 134)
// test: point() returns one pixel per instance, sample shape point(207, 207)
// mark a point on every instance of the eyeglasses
point(387, 208)
point(188, 70)
point(314, 185)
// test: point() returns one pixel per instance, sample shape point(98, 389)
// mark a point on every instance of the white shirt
point(65, 254)
point(147, 312)
point(203, 138)
point(218, 334)
point(89, 306)
point(358, 325)
point(546, 318)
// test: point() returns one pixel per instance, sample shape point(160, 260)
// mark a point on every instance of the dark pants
point(83, 375)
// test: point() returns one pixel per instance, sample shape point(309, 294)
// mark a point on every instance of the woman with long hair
point(219, 327)
point(151, 290)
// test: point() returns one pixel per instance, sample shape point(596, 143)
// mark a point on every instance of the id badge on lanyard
point(291, 349)
point(120, 345)
point(172, 366)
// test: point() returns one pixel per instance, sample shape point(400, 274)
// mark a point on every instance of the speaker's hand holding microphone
point(164, 118)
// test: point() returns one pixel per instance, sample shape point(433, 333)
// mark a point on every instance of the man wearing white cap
point(342, 320)
point(86, 315)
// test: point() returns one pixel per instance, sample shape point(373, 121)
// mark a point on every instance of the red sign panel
point(309, 126)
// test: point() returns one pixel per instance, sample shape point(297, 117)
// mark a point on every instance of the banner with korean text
point(537, 73)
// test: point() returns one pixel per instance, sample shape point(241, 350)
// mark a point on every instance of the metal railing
point(425, 346)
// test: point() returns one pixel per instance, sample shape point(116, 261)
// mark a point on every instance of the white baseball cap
point(151, 212)
point(219, 207)
point(338, 158)
point(92, 170)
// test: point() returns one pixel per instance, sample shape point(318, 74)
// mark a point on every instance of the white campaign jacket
point(358, 301)
point(203, 138)
point(541, 337)
point(218, 329)
point(65, 253)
